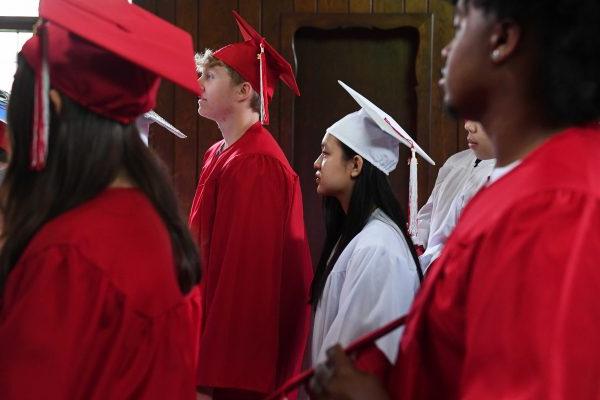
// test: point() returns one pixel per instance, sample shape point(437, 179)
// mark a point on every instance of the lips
point(443, 77)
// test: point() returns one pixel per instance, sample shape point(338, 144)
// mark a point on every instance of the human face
point(333, 172)
point(465, 74)
point(479, 141)
point(217, 90)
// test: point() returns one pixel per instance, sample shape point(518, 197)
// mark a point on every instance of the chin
point(450, 109)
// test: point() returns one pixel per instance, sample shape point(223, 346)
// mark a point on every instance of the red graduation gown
point(92, 310)
point(511, 309)
point(247, 216)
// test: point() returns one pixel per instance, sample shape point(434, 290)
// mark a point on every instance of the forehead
point(329, 141)
point(213, 68)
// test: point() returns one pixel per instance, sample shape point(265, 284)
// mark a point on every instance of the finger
point(336, 358)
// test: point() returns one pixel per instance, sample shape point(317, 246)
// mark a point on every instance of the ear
point(505, 39)
point(56, 101)
point(356, 166)
point(244, 91)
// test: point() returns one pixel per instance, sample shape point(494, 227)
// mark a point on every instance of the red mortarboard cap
point(108, 56)
point(259, 63)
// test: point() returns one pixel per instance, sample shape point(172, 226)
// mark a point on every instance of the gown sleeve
point(532, 310)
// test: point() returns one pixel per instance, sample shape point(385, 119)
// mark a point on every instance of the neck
point(344, 199)
point(516, 128)
point(121, 181)
point(236, 125)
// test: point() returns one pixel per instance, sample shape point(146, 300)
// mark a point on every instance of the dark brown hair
point(86, 153)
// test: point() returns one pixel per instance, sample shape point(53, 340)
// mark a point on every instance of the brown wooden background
point(306, 31)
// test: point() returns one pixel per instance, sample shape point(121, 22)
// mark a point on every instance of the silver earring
point(495, 55)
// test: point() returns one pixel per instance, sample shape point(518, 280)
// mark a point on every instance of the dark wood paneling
point(444, 133)
point(163, 142)
point(271, 29)
point(388, 6)
point(251, 10)
point(416, 6)
point(308, 6)
point(361, 6)
point(186, 115)
point(332, 6)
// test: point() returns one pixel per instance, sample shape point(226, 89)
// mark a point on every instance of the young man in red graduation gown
point(248, 219)
point(510, 310)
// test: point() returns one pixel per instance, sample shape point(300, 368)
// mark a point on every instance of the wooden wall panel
point(305, 6)
point(332, 6)
point(251, 10)
point(388, 6)
point(444, 133)
point(185, 157)
point(416, 6)
point(360, 6)
point(161, 141)
point(271, 29)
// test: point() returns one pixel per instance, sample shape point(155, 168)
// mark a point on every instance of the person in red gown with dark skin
point(510, 309)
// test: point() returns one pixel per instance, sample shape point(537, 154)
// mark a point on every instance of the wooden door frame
point(423, 22)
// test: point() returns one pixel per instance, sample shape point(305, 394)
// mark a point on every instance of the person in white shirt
point(459, 179)
point(368, 272)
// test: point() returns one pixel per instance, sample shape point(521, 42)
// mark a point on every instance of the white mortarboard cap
point(386, 123)
point(359, 132)
point(144, 121)
point(376, 136)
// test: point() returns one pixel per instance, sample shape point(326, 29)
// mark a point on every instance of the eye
point(456, 23)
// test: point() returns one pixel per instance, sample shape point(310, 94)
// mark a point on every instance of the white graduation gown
point(373, 282)
point(458, 180)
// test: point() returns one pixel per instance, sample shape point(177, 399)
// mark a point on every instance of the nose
point(446, 50)
point(470, 126)
point(317, 163)
point(201, 86)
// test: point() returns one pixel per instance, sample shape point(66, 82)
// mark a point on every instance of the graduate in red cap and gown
point(510, 310)
point(98, 272)
point(247, 217)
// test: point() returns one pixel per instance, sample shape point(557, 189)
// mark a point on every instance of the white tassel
point(413, 194)
point(45, 97)
point(262, 91)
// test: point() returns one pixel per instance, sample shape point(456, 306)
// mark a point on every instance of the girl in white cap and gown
point(368, 272)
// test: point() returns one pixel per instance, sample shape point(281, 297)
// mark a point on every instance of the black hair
point(86, 153)
point(371, 190)
point(567, 34)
